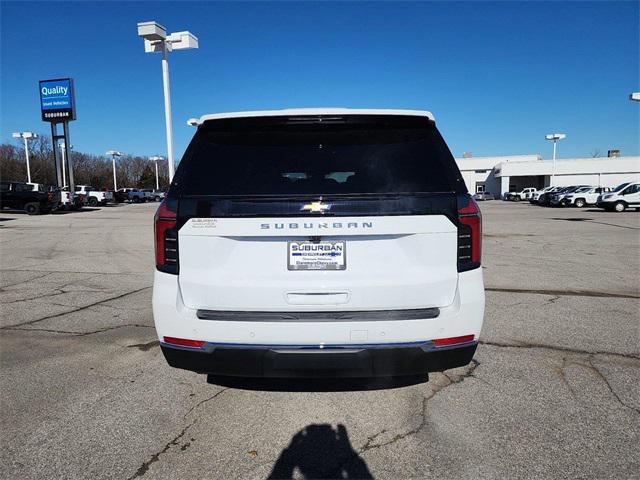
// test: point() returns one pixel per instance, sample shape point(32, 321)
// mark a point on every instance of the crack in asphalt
point(565, 293)
point(58, 291)
point(67, 271)
point(142, 469)
point(2, 289)
point(592, 368)
point(37, 297)
point(215, 395)
point(451, 379)
point(597, 371)
point(77, 334)
point(79, 309)
point(556, 348)
point(563, 377)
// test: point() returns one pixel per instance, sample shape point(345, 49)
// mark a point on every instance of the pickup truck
point(153, 195)
point(93, 196)
point(134, 195)
point(524, 194)
point(22, 196)
point(584, 196)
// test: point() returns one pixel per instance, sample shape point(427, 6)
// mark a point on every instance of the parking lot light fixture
point(635, 96)
point(156, 40)
point(554, 137)
point(114, 154)
point(156, 159)
point(26, 136)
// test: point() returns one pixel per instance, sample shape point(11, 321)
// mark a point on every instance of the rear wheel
point(32, 208)
point(620, 207)
point(516, 198)
point(579, 203)
point(93, 202)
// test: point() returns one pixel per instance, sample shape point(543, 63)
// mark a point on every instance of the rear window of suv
point(357, 154)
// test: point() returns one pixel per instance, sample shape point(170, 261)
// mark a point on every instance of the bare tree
point(88, 169)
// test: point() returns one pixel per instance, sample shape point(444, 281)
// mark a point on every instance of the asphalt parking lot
point(553, 391)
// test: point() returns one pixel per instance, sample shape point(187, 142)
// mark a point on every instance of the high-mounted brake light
point(183, 342)
point(166, 234)
point(444, 342)
point(469, 234)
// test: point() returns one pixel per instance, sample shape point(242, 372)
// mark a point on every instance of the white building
point(499, 175)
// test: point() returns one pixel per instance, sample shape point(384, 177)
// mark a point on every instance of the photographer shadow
point(320, 451)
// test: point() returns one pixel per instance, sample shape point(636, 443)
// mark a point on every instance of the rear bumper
point(348, 361)
point(358, 343)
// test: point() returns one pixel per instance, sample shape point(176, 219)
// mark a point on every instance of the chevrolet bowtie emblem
point(316, 207)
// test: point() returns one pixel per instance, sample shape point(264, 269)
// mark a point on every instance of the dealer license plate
point(316, 256)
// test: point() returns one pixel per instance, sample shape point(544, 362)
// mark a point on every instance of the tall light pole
point(114, 154)
point(156, 159)
point(64, 161)
point(554, 137)
point(26, 136)
point(156, 40)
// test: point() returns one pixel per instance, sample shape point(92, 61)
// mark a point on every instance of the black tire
point(32, 208)
point(93, 202)
point(516, 198)
point(579, 203)
point(619, 207)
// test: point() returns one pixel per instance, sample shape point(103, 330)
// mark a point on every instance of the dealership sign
point(57, 102)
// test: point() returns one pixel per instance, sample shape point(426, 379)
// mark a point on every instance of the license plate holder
point(323, 255)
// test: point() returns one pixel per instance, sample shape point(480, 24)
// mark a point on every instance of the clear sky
point(497, 76)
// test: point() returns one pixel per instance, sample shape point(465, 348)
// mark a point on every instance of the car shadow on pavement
point(316, 384)
point(320, 451)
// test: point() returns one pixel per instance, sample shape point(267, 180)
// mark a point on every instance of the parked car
point(536, 195)
point(93, 196)
point(557, 198)
point(524, 194)
point(482, 196)
point(153, 195)
point(22, 196)
point(584, 196)
point(252, 280)
point(545, 198)
point(134, 195)
point(624, 196)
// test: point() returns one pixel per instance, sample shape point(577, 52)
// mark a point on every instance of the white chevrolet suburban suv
point(318, 242)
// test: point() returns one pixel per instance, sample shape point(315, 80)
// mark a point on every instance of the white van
point(318, 242)
point(625, 195)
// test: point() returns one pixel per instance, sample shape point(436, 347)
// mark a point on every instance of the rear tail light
point(469, 234)
point(183, 342)
point(445, 342)
point(166, 233)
